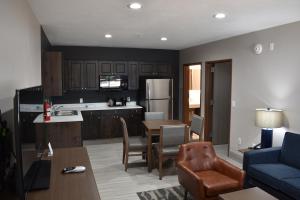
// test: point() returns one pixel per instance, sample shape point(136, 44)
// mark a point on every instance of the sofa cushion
point(290, 150)
point(291, 187)
point(272, 174)
point(216, 183)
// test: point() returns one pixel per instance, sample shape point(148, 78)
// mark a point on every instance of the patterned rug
point(172, 193)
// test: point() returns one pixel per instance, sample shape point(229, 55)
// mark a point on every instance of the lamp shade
point(269, 118)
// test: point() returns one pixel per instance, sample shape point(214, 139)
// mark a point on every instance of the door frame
point(185, 94)
point(208, 111)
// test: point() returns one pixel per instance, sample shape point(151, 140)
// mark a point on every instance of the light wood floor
point(116, 184)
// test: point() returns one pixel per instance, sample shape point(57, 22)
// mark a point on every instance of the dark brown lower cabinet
point(60, 135)
point(106, 123)
point(90, 125)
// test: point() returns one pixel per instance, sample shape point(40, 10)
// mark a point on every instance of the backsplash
point(93, 96)
point(35, 96)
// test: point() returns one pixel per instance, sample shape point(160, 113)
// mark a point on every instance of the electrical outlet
point(81, 100)
point(128, 99)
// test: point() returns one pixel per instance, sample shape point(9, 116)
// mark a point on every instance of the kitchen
point(71, 79)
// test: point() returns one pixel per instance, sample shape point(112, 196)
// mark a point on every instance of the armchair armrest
point(230, 170)
point(269, 155)
point(189, 179)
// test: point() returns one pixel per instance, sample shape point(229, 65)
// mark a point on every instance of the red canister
point(47, 111)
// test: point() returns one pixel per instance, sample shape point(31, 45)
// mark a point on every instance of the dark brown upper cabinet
point(90, 75)
point(112, 68)
point(80, 75)
point(164, 69)
point(120, 68)
point(52, 73)
point(133, 75)
point(147, 69)
point(75, 73)
point(155, 69)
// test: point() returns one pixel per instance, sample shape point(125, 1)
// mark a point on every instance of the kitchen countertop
point(79, 107)
point(57, 119)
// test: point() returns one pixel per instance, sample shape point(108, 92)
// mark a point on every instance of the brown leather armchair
point(203, 174)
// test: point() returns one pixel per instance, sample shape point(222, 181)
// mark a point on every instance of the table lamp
point(267, 119)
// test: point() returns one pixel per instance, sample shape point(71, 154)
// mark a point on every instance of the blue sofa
point(276, 170)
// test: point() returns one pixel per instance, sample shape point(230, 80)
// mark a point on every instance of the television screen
point(26, 154)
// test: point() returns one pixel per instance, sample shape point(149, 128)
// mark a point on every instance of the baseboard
point(236, 156)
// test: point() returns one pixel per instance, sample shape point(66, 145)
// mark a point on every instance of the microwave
point(113, 82)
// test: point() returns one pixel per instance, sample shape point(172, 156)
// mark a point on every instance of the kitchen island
point(94, 121)
point(60, 131)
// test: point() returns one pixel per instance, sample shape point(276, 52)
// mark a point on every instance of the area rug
point(172, 193)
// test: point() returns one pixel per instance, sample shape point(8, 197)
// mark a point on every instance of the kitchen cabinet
point(147, 69)
point(112, 68)
point(60, 134)
point(27, 127)
point(80, 75)
point(90, 75)
point(106, 123)
point(52, 73)
point(75, 73)
point(91, 125)
point(155, 69)
point(133, 76)
point(84, 75)
point(164, 69)
point(110, 126)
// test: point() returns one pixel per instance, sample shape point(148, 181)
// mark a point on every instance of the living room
point(260, 41)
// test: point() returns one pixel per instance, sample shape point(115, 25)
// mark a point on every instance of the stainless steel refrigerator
point(156, 95)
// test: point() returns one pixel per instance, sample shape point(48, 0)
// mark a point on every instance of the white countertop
point(79, 107)
point(57, 119)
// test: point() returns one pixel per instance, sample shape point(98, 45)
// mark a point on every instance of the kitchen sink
point(65, 113)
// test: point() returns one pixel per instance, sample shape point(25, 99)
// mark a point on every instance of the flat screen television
point(32, 172)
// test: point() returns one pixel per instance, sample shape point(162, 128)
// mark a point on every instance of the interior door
point(221, 103)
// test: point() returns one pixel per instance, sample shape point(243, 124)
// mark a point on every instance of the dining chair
point(154, 116)
point(171, 137)
point(131, 144)
point(197, 126)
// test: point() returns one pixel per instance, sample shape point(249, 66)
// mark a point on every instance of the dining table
point(153, 126)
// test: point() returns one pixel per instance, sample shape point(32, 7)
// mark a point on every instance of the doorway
point(218, 77)
point(191, 91)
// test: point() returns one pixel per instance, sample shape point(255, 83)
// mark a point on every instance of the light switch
point(272, 46)
point(233, 104)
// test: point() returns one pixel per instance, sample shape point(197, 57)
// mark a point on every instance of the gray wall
point(271, 79)
point(20, 50)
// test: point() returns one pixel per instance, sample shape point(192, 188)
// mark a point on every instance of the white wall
point(20, 50)
point(271, 79)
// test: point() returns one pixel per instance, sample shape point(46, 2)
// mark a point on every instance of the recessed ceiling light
point(163, 39)
point(108, 35)
point(135, 6)
point(220, 15)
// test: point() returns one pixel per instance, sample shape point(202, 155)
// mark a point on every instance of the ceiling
point(185, 23)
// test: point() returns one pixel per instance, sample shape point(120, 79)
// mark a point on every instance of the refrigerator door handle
point(148, 101)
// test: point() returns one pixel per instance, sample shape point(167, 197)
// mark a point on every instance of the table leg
point(149, 151)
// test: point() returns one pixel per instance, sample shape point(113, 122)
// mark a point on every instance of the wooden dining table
point(154, 126)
